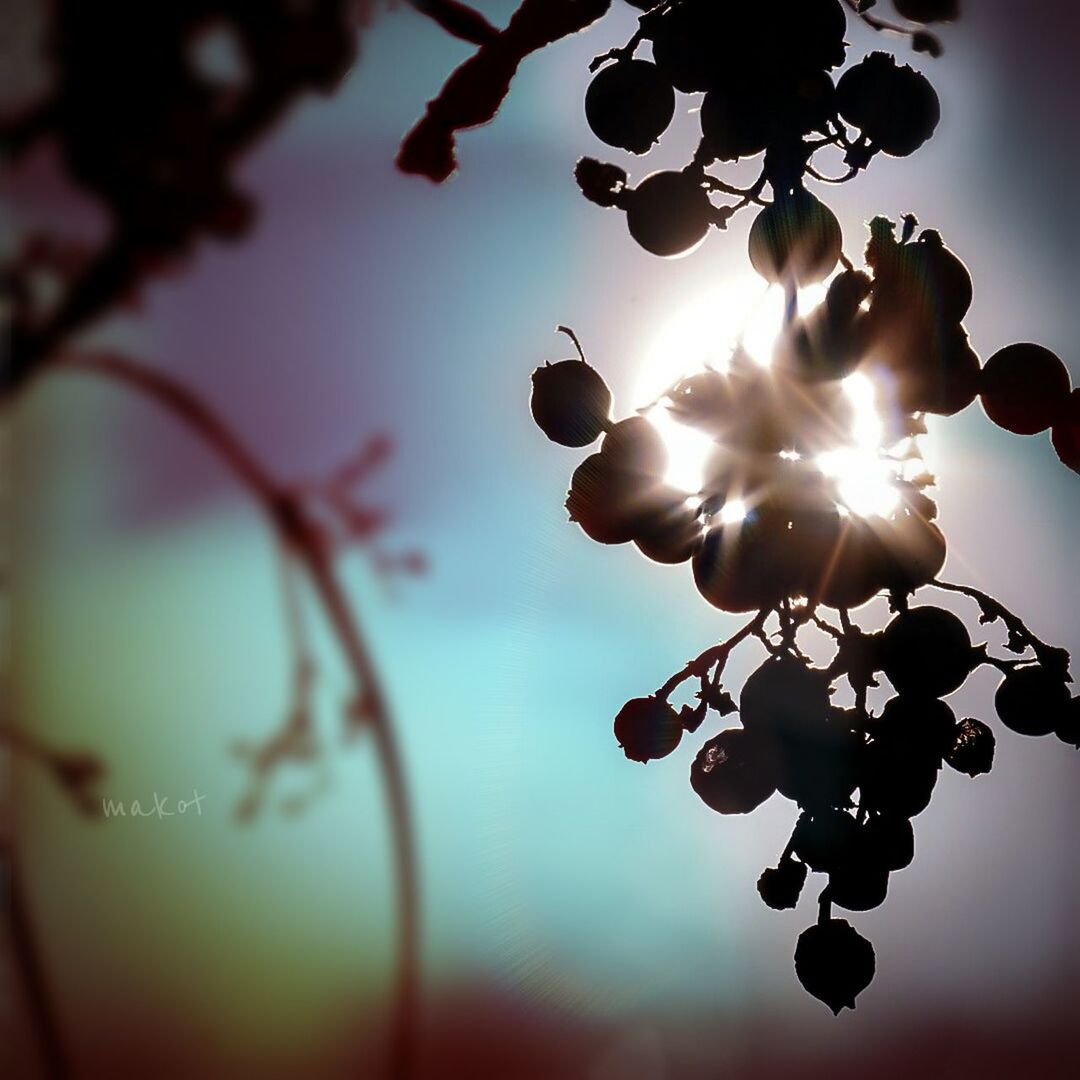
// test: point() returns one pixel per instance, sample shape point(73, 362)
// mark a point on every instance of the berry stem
point(717, 654)
point(574, 338)
point(305, 542)
point(1019, 635)
point(824, 906)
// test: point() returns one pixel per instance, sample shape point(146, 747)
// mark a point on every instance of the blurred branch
point(305, 542)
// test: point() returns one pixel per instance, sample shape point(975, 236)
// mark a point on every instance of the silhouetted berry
point(896, 108)
point(733, 772)
point(928, 11)
point(921, 726)
point(795, 239)
point(668, 213)
point(635, 444)
point(673, 536)
point(972, 749)
point(834, 963)
point(889, 841)
point(915, 551)
point(612, 503)
point(859, 885)
point(825, 839)
point(1024, 388)
point(785, 694)
point(1032, 701)
point(647, 728)
point(781, 885)
point(629, 104)
point(1065, 434)
point(570, 402)
point(926, 652)
point(706, 401)
point(896, 781)
point(733, 124)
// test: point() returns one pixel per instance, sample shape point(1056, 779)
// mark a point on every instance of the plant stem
point(287, 520)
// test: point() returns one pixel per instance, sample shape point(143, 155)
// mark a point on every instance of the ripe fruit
point(610, 503)
point(673, 536)
point(733, 123)
point(972, 749)
point(1032, 701)
point(570, 402)
point(896, 781)
point(896, 108)
point(647, 729)
point(785, 694)
point(668, 213)
point(921, 726)
point(834, 963)
point(635, 444)
point(825, 839)
point(796, 239)
point(915, 552)
point(733, 773)
point(926, 652)
point(859, 885)
point(889, 840)
point(1024, 388)
point(629, 104)
point(780, 886)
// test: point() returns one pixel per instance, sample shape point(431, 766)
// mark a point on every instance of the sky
point(593, 907)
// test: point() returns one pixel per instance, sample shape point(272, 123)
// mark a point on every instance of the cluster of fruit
point(794, 741)
point(797, 544)
point(764, 71)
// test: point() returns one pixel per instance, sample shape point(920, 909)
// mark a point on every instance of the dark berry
point(647, 728)
point(674, 535)
point(926, 652)
point(1032, 701)
point(889, 841)
point(895, 781)
point(834, 963)
point(1024, 388)
point(825, 839)
point(668, 213)
point(629, 104)
point(635, 444)
point(896, 108)
point(570, 402)
point(781, 885)
point(796, 239)
point(972, 749)
point(859, 885)
point(612, 504)
point(785, 694)
point(733, 773)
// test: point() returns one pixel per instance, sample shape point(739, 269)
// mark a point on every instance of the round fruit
point(972, 749)
point(1065, 434)
point(733, 123)
point(785, 694)
point(926, 652)
point(780, 886)
point(889, 841)
point(1032, 701)
point(612, 504)
point(733, 773)
point(860, 885)
point(896, 108)
point(674, 536)
point(834, 963)
point(629, 104)
point(921, 726)
point(1024, 388)
point(570, 402)
point(668, 213)
point(796, 239)
point(647, 729)
point(635, 444)
point(705, 401)
point(915, 551)
point(894, 781)
point(825, 839)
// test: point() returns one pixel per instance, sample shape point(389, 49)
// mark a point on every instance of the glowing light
point(864, 481)
point(731, 513)
point(688, 451)
point(867, 429)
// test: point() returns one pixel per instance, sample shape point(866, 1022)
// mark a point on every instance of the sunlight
point(704, 333)
point(702, 336)
point(688, 450)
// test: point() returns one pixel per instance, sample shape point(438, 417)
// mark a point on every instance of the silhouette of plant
point(152, 107)
point(814, 494)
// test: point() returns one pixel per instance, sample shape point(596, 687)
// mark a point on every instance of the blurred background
point(582, 916)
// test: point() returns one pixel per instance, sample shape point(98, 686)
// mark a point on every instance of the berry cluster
point(814, 490)
point(764, 73)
